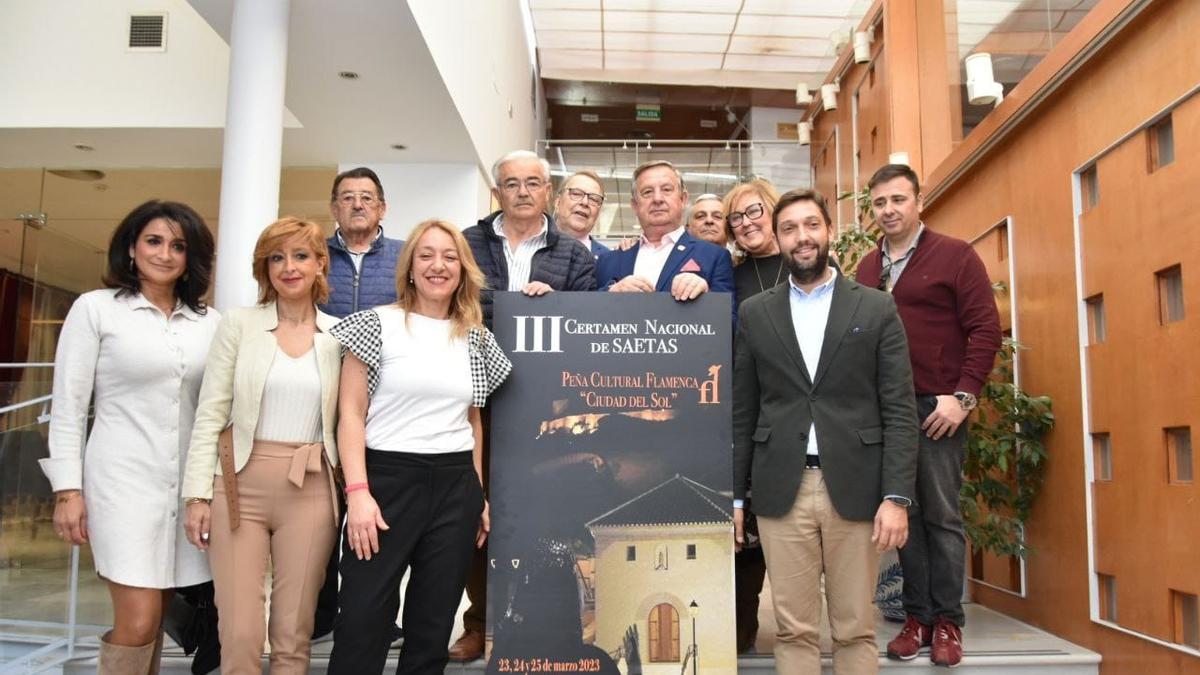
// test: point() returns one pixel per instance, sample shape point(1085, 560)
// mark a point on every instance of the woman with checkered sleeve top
point(414, 377)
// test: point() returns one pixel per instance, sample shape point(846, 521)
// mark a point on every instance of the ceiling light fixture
point(398, 146)
point(862, 46)
point(829, 94)
point(803, 95)
point(84, 147)
point(348, 75)
point(804, 133)
point(77, 174)
point(982, 87)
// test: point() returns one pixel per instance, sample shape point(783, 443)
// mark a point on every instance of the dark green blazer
point(861, 400)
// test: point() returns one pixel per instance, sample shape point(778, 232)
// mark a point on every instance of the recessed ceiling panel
point(789, 26)
point(662, 61)
point(775, 63)
point(781, 46)
point(566, 19)
point(668, 22)
point(666, 42)
point(569, 39)
point(571, 58)
point(706, 6)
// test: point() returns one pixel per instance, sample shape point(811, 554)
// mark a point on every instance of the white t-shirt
point(424, 391)
point(290, 411)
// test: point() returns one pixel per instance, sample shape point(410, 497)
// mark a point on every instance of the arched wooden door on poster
point(664, 633)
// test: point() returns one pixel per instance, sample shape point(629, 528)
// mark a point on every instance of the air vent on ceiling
point(148, 32)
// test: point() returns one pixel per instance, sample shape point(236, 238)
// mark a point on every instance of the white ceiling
point(399, 97)
point(769, 44)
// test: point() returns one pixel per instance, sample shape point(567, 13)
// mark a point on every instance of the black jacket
point(563, 263)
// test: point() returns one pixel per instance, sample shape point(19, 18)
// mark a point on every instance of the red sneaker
point(947, 644)
point(914, 637)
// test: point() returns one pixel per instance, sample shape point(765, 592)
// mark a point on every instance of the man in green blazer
point(824, 429)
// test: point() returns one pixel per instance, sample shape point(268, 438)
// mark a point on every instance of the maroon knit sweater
point(946, 303)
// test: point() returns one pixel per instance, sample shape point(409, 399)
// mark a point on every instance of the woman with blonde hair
point(414, 378)
point(748, 210)
point(136, 348)
point(259, 484)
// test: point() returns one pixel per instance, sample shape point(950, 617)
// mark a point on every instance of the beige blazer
point(234, 377)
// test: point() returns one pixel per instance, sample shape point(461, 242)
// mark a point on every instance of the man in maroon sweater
point(945, 300)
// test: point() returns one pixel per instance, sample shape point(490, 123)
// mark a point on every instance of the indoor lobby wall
point(1142, 379)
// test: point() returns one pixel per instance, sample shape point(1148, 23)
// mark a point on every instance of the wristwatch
point(967, 401)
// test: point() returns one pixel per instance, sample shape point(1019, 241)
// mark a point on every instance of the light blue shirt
point(810, 313)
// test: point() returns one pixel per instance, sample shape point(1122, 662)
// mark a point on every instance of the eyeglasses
point(531, 184)
point(736, 218)
point(577, 195)
point(365, 198)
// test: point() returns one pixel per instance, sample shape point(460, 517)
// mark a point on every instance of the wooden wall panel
point(1144, 376)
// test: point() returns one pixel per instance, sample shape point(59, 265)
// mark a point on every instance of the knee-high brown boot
point(156, 658)
point(122, 660)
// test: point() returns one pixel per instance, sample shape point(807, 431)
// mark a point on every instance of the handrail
point(26, 404)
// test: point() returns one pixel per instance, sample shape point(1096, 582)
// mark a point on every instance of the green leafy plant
point(1005, 460)
point(856, 239)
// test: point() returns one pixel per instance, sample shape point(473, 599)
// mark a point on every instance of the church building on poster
point(664, 580)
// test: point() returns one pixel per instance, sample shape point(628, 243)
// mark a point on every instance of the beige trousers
point(294, 529)
point(809, 540)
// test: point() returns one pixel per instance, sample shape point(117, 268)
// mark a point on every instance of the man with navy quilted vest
point(362, 275)
point(362, 262)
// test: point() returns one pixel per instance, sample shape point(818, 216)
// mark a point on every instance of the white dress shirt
point(520, 261)
point(144, 371)
point(651, 258)
point(810, 313)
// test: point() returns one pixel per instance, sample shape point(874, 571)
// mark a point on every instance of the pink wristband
point(356, 486)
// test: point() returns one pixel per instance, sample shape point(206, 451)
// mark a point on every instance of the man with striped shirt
point(518, 248)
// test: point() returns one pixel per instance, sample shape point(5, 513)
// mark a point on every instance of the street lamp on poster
point(693, 610)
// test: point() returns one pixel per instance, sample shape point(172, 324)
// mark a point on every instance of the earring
point(410, 280)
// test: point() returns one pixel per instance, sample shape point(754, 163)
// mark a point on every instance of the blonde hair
point(765, 191)
point(273, 238)
point(465, 310)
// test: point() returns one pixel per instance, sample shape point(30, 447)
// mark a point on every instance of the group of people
point(349, 404)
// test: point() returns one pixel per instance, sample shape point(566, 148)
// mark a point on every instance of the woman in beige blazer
point(264, 488)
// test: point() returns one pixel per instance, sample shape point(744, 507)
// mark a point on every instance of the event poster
point(611, 548)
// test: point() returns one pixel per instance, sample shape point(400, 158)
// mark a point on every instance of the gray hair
point(517, 155)
point(650, 165)
point(706, 197)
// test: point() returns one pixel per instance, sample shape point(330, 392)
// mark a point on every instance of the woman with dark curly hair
point(137, 347)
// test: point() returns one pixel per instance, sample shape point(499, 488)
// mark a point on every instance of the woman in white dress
point(138, 347)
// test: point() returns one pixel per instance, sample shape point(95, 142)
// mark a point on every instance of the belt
point(305, 459)
point(812, 461)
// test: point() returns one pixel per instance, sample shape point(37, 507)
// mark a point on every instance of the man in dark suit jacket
point(666, 259)
point(824, 430)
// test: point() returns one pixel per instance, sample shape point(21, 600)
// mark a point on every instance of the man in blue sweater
point(362, 275)
point(362, 262)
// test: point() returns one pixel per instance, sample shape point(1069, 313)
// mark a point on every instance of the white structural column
point(250, 165)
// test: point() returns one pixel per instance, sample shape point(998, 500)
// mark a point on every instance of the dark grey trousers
point(934, 558)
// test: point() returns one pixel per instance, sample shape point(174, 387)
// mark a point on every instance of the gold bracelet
point(68, 496)
point(196, 500)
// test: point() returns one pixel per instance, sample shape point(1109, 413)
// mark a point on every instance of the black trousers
point(432, 505)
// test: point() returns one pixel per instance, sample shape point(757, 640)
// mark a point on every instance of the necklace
point(761, 286)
